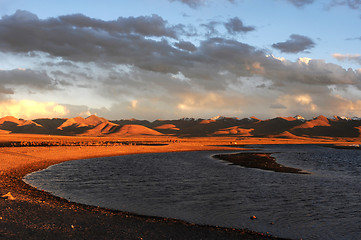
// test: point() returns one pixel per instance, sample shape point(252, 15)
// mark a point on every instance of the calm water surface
point(197, 188)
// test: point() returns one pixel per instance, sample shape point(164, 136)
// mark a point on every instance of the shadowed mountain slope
point(282, 127)
point(15, 125)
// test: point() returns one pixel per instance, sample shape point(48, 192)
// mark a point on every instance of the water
point(197, 188)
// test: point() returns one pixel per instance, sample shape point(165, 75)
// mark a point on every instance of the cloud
point(313, 73)
point(138, 71)
point(353, 4)
point(278, 106)
point(347, 57)
point(187, 46)
point(235, 26)
point(195, 3)
point(296, 43)
point(211, 28)
point(300, 3)
point(355, 38)
point(26, 77)
point(191, 3)
point(79, 38)
point(298, 103)
point(153, 25)
point(29, 109)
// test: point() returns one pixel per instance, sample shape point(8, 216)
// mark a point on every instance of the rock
point(8, 196)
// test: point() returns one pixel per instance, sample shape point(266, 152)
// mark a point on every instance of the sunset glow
point(175, 58)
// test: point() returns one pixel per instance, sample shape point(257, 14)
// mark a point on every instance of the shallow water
point(197, 188)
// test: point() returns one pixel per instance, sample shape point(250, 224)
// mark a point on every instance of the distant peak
point(94, 119)
point(335, 117)
point(217, 118)
point(187, 119)
point(222, 118)
point(254, 118)
point(299, 117)
point(92, 116)
point(321, 118)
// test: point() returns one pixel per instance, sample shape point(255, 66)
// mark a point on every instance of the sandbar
point(262, 161)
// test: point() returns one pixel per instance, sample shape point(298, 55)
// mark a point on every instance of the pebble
point(8, 196)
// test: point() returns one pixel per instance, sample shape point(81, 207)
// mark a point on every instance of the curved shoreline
point(37, 215)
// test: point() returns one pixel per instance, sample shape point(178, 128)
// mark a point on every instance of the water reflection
point(195, 187)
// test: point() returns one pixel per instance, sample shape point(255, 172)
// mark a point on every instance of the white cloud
point(304, 60)
point(29, 109)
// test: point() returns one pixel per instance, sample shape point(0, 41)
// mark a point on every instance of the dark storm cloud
point(214, 64)
point(78, 38)
point(144, 25)
point(296, 43)
point(314, 73)
point(235, 25)
point(188, 46)
point(29, 78)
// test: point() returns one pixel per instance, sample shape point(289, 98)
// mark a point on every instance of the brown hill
point(79, 122)
point(14, 125)
point(207, 121)
point(50, 124)
point(359, 130)
point(168, 127)
point(18, 122)
point(321, 126)
point(274, 126)
point(284, 127)
point(136, 130)
point(234, 131)
point(285, 134)
point(319, 121)
point(209, 127)
point(103, 128)
point(10, 119)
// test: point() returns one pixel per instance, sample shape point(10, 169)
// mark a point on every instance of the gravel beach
point(27, 213)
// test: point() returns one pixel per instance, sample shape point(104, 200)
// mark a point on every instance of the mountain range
point(281, 127)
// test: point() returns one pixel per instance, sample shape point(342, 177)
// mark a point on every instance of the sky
point(169, 59)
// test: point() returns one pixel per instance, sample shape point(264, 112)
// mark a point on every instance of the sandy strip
point(38, 215)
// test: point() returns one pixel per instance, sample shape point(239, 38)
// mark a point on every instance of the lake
point(195, 187)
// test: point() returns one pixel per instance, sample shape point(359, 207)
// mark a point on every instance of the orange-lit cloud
point(340, 56)
point(256, 68)
point(29, 109)
point(133, 104)
point(301, 102)
point(347, 57)
point(304, 60)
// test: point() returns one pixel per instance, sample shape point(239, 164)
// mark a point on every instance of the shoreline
point(36, 214)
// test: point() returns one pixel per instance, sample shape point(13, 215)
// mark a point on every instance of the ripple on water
point(195, 187)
